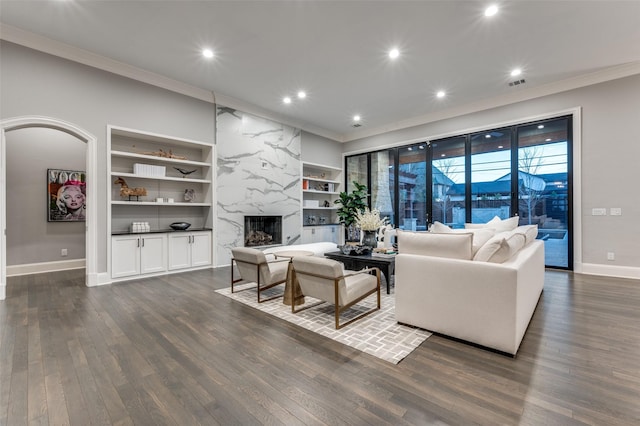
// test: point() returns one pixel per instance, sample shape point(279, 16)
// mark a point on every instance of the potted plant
point(351, 204)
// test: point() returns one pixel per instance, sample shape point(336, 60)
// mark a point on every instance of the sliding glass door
point(521, 170)
point(412, 183)
point(544, 195)
point(448, 181)
point(491, 175)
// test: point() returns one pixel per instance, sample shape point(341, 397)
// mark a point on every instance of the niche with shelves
point(321, 186)
point(178, 178)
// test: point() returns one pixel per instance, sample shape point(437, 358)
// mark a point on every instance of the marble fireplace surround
point(258, 173)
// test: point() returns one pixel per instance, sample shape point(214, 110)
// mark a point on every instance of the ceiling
point(337, 51)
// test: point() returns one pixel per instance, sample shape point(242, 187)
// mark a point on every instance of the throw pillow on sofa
point(501, 247)
point(480, 235)
point(451, 245)
point(496, 223)
point(530, 232)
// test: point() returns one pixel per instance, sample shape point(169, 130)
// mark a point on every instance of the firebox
point(262, 230)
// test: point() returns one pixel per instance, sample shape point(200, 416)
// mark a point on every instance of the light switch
point(599, 212)
point(615, 211)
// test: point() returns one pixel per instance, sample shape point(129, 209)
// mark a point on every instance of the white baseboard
point(609, 270)
point(101, 278)
point(38, 268)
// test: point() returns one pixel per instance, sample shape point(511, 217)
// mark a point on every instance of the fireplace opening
point(262, 231)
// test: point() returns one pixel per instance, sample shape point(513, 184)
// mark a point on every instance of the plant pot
point(370, 239)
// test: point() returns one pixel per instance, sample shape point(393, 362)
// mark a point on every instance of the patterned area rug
point(377, 334)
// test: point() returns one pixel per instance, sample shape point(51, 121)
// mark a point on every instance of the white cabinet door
point(330, 233)
point(179, 251)
point(125, 256)
point(308, 234)
point(153, 253)
point(201, 249)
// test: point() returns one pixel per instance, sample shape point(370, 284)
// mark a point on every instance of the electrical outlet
point(63, 252)
point(611, 256)
point(615, 211)
point(599, 212)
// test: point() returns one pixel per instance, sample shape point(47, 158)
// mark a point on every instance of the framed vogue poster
point(66, 195)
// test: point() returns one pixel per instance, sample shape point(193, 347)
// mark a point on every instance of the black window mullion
point(467, 178)
point(515, 196)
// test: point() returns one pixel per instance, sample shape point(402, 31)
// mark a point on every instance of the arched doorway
point(91, 215)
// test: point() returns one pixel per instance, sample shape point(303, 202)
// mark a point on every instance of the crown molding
point(75, 54)
point(85, 57)
point(601, 76)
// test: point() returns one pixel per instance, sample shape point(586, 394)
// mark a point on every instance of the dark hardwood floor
point(170, 350)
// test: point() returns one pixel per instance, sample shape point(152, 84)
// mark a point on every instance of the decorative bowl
point(180, 226)
point(355, 250)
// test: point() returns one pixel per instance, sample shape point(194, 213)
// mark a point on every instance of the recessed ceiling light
point(491, 10)
point(441, 94)
point(541, 126)
point(286, 100)
point(488, 136)
point(207, 53)
point(356, 118)
point(443, 155)
point(516, 72)
point(302, 94)
point(500, 146)
point(394, 53)
point(547, 140)
point(421, 147)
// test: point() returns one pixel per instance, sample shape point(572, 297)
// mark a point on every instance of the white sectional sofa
point(439, 287)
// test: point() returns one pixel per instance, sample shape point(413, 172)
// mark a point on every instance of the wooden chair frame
point(336, 286)
point(258, 288)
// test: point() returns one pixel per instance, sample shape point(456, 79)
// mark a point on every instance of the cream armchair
point(253, 266)
point(326, 280)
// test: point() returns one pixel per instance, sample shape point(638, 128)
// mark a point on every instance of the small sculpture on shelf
point(189, 195)
point(125, 191)
point(184, 172)
point(162, 153)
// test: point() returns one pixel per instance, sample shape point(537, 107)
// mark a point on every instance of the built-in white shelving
point(170, 195)
point(321, 186)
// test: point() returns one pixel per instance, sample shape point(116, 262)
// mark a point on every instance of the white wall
point(35, 83)
point(610, 147)
point(30, 237)
point(320, 150)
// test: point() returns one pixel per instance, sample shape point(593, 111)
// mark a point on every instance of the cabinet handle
point(138, 240)
point(143, 242)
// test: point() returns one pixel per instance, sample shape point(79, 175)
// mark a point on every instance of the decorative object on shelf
point(125, 191)
point(369, 222)
point(326, 203)
point(355, 250)
point(137, 227)
point(184, 172)
point(162, 153)
point(180, 226)
point(352, 204)
point(66, 195)
point(189, 195)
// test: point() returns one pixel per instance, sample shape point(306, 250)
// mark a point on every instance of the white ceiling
point(337, 50)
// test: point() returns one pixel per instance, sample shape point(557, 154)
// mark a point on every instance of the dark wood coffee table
point(386, 263)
